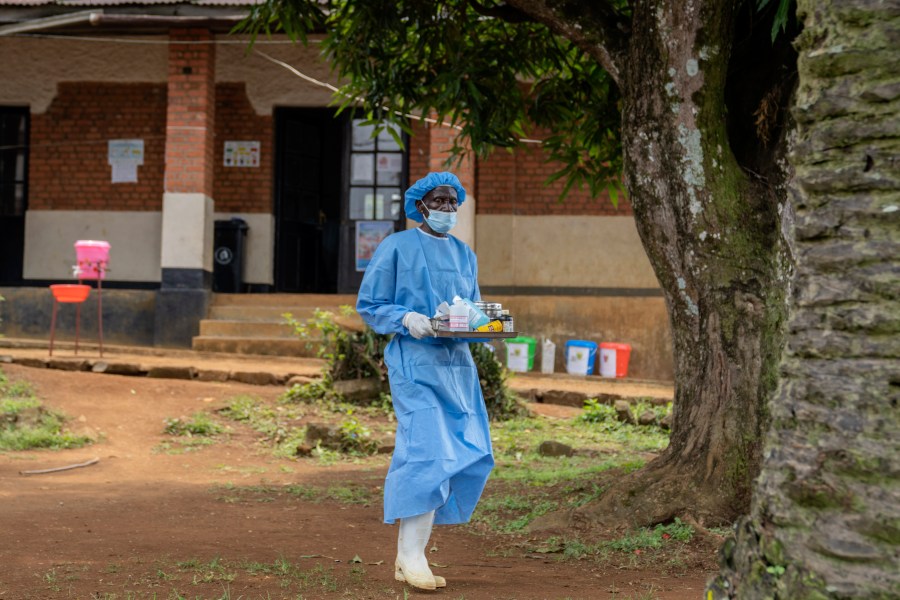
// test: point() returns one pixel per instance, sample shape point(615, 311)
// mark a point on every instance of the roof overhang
point(146, 19)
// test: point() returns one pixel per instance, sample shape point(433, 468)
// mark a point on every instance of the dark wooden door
point(13, 192)
point(307, 199)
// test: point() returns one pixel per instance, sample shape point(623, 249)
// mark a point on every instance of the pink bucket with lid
point(93, 259)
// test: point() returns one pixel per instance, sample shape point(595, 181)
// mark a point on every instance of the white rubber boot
point(411, 565)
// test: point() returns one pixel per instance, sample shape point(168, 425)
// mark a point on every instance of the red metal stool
point(71, 293)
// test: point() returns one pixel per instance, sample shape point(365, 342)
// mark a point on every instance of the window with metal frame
point(13, 161)
point(376, 171)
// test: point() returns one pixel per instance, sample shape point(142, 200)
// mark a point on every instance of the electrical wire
point(276, 61)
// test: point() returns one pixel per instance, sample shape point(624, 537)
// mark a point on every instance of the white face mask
point(439, 221)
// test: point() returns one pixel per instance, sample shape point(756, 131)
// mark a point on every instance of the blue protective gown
point(442, 455)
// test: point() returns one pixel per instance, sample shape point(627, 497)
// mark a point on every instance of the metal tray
point(482, 335)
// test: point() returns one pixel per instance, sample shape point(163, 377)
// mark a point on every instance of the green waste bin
point(520, 353)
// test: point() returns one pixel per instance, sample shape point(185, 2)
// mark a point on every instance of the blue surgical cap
point(418, 190)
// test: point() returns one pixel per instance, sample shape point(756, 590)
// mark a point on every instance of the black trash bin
point(228, 255)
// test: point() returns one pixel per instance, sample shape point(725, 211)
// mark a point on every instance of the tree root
point(655, 494)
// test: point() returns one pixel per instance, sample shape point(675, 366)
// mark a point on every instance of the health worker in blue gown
point(442, 455)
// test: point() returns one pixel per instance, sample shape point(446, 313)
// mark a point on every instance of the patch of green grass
point(637, 542)
point(304, 492)
point(519, 438)
point(348, 494)
point(50, 578)
point(282, 428)
point(343, 494)
point(646, 537)
point(276, 424)
point(26, 424)
point(547, 471)
point(511, 513)
point(182, 445)
point(208, 572)
point(525, 485)
point(200, 424)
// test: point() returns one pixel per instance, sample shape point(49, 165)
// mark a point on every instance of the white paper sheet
point(124, 171)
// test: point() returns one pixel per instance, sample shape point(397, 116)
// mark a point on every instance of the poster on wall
point(368, 235)
point(241, 154)
point(125, 156)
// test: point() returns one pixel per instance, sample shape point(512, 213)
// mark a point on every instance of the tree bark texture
point(713, 234)
point(825, 519)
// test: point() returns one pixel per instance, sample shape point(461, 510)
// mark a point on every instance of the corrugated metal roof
point(98, 3)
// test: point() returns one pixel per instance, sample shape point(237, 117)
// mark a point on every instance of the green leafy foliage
point(781, 15)
point(481, 67)
point(603, 415)
point(597, 412)
point(356, 437)
point(501, 402)
point(320, 389)
point(350, 354)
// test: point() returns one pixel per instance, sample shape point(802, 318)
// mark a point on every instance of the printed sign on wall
point(124, 156)
point(241, 154)
point(368, 235)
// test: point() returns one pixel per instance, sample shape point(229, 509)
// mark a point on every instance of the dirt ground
point(148, 524)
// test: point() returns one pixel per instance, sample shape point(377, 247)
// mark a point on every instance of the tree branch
point(508, 13)
point(594, 26)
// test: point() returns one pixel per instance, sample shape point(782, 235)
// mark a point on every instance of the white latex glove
point(418, 324)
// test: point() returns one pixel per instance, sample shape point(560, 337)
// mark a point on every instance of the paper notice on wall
point(362, 169)
point(241, 154)
point(124, 171)
point(125, 156)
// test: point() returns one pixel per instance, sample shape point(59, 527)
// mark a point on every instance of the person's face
point(442, 198)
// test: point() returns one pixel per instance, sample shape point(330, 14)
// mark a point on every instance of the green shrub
point(597, 412)
point(360, 354)
point(310, 392)
point(501, 402)
point(350, 354)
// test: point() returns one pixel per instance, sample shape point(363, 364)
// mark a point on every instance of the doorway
point(308, 188)
point(13, 192)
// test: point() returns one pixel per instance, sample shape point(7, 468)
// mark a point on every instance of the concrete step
point(259, 346)
point(265, 313)
point(254, 323)
point(291, 300)
point(248, 329)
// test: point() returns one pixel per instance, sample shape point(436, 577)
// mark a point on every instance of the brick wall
point(190, 112)
point(515, 184)
point(512, 183)
point(419, 143)
point(242, 189)
point(68, 168)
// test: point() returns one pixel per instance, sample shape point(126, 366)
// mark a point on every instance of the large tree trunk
point(713, 233)
point(825, 521)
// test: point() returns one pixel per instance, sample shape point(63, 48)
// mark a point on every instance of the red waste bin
point(614, 359)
